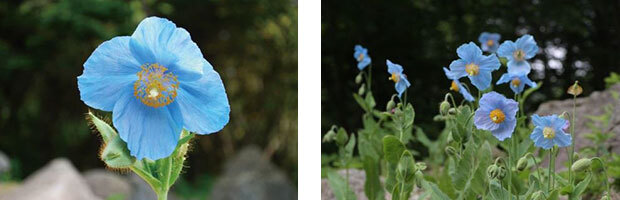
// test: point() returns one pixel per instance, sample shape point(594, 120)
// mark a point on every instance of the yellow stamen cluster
point(548, 133)
point(472, 69)
point(515, 82)
point(454, 86)
point(395, 77)
point(155, 87)
point(490, 42)
point(519, 55)
point(497, 116)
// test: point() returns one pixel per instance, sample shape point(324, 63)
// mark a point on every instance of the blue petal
point(451, 75)
point(393, 68)
point(457, 67)
point(158, 40)
point(483, 121)
point(510, 108)
point(537, 120)
point(562, 139)
point(527, 81)
point(488, 63)
point(505, 129)
point(468, 52)
point(465, 93)
point(365, 62)
point(506, 77)
point(539, 139)
point(482, 81)
point(528, 45)
point(402, 85)
point(519, 68)
point(110, 68)
point(150, 132)
point(204, 104)
point(484, 36)
point(507, 49)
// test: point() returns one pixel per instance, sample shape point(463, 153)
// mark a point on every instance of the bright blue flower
point(517, 54)
point(400, 80)
point(457, 86)
point(156, 82)
point(549, 131)
point(361, 55)
point(474, 65)
point(517, 82)
point(489, 41)
point(497, 114)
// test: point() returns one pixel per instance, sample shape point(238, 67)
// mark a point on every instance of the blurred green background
point(578, 40)
point(44, 43)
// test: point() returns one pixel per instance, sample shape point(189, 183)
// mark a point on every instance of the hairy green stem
point(572, 145)
point(604, 171)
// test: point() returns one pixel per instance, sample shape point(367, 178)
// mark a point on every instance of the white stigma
point(153, 93)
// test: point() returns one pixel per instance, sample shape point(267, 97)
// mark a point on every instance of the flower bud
point(362, 89)
point(450, 151)
point(581, 164)
point(444, 106)
point(390, 105)
point(420, 166)
point(358, 78)
point(115, 154)
point(419, 177)
point(492, 171)
point(538, 196)
point(449, 139)
point(329, 136)
point(575, 89)
point(522, 163)
point(501, 172)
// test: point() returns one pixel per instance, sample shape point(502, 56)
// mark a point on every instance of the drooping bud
point(358, 78)
point(342, 137)
point(116, 155)
point(450, 151)
point(420, 166)
point(362, 89)
point(522, 163)
point(581, 164)
point(390, 105)
point(492, 171)
point(575, 89)
point(501, 172)
point(444, 106)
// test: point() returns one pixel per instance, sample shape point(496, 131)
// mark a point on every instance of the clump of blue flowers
point(157, 83)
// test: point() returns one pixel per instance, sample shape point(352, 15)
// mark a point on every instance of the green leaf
point(339, 186)
point(349, 147)
point(498, 192)
point(581, 187)
point(470, 174)
point(406, 167)
point(392, 149)
point(342, 137)
point(371, 163)
point(554, 195)
point(370, 100)
point(435, 192)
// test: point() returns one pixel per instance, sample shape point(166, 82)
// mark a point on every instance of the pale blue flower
point(400, 80)
point(497, 114)
point(457, 86)
point(361, 55)
point(474, 65)
point(489, 41)
point(518, 53)
point(549, 131)
point(156, 82)
point(516, 82)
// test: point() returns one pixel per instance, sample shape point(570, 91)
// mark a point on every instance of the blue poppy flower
point(361, 55)
point(457, 86)
point(474, 65)
point(489, 41)
point(156, 82)
point(517, 54)
point(400, 80)
point(549, 131)
point(497, 114)
point(517, 82)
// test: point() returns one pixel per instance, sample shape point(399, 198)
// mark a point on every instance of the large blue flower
point(517, 82)
point(549, 131)
point(361, 55)
point(474, 65)
point(517, 54)
point(497, 114)
point(400, 80)
point(489, 41)
point(457, 86)
point(156, 82)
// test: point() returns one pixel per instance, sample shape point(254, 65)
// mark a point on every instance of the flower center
point(155, 87)
point(454, 86)
point(519, 55)
point(360, 57)
point(548, 133)
point(497, 116)
point(395, 77)
point(490, 42)
point(472, 69)
point(515, 82)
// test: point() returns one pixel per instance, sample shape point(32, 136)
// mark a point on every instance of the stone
point(593, 105)
point(249, 176)
point(5, 163)
point(357, 178)
point(106, 184)
point(58, 180)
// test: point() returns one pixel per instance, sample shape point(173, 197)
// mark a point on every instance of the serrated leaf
point(470, 174)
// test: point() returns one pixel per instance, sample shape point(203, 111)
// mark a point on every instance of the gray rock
point(250, 177)
point(593, 105)
point(5, 163)
point(356, 183)
point(58, 180)
point(105, 183)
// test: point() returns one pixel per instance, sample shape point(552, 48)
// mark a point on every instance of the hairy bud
point(390, 105)
point(522, 163)
point(492, 171)
point(444, 106)
point(452, 111)
point(362, 89)
point(581, 164)
point(358, 78)
point(450, 151)
point(575, 89)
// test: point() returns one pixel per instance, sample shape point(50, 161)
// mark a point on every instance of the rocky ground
point(247, 176)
